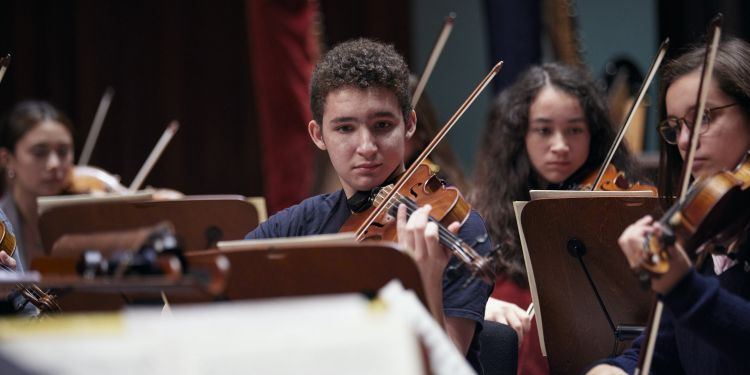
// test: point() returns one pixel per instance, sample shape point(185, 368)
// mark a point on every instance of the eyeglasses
point(671, 127)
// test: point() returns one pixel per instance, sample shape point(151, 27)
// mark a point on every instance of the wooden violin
point(44, 301)
point(607, 177)
point(448, 206)
point(418, 186)
point(656, 257)
point(86, 179)
point(715, 208)
point(614, 180)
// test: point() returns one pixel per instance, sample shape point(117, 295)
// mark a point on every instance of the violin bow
point(437, 49)
point(4, 63)
point(169, 132)
point(644, 360)
point(631, 114)
point(96, 126)
point(431, 146)
point(700, 105)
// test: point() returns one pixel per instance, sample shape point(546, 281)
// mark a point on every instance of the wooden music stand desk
point(279, 271)
point(574, 328)
point(200, 221)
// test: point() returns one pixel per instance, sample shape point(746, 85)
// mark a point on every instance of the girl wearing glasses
point(706, 320)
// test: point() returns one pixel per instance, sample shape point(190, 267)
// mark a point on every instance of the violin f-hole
point(412, 190)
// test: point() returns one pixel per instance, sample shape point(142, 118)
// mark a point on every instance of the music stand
point(587, 300)
point(201, 221)
point(294, 270)
point(205, 282)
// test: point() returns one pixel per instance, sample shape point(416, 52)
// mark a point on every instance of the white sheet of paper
point(312, 335)
point(290, 242)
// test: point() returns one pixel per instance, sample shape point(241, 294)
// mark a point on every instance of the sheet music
point(291, 242)
point(340, 334)
point(518, 208)
point(443, 355)
point(546, 194)
point(45, 203)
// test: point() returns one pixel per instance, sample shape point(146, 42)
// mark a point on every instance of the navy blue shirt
point(705, 326)
point(326, 213)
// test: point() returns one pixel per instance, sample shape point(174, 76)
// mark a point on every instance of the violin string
point(30, 293)
point(447, 237)
point(467, 254)
point(411, 207)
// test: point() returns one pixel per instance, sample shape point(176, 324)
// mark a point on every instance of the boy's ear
point(316, 134)
point(411, 124)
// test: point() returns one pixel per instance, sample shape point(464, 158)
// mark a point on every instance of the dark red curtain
point(234, 73)
point(284, 50)
point(385, 20)
point(184, 60)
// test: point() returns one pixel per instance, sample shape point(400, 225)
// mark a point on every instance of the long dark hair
point(731, 74)
point(24, 117)
point(504, 172)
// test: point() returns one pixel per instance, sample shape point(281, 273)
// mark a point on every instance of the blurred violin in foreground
point(715, 208)
point(86, 179)
point(44, 301)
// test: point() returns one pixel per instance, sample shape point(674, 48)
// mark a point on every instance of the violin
point(715, 208)
point(86, 179)
point(448, 206)
point(691, 204)
point(418, 186)
point(7, 240)
point(36, 296)
point(607, 177)
point(614, 180)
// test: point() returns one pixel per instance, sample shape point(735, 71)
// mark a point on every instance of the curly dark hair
point(732, 76)
point(504, 172)
point(360, 63)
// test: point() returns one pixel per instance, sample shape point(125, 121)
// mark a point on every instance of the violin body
point(715, 208)
point(44, 301)
point(7, 240)
point(614, 180)
point(448, 205)
point(91, 180)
